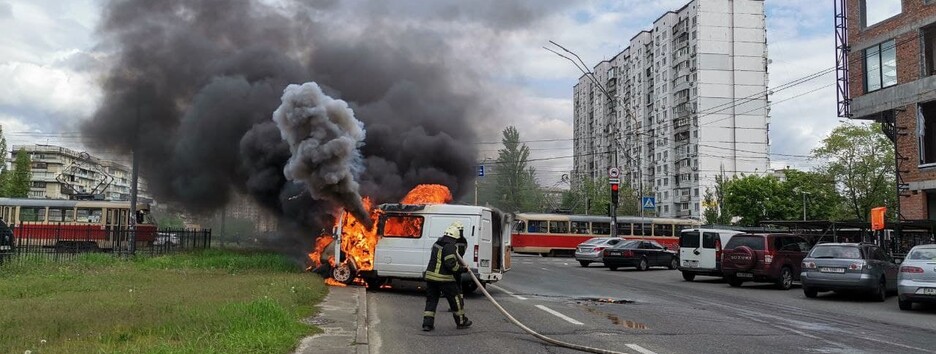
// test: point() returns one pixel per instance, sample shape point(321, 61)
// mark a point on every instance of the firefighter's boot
point(462, 322)
point(428, 323)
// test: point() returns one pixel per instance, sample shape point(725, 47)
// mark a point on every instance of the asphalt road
point(660, 313)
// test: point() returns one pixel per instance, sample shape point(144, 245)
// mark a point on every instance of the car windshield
point(923, 255)
point(838, 252)
point(754, 242)
point(628, 244)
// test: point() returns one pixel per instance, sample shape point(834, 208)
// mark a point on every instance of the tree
point(516, 187)
point(714, 202)
point(592, 196)
point(752, 198)
point(4, 174)
point(822, 199)
point(860, 158)
point(17, 185)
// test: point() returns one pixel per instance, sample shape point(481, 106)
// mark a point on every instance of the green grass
point(206, 302)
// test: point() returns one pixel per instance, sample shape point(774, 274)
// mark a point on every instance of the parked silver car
point(589, 252)
point(917, 279)
point(849, 266)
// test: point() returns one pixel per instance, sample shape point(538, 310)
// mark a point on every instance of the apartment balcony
point(684, 213)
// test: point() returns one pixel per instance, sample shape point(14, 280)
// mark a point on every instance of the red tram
point(551, 234)
point(57, 223)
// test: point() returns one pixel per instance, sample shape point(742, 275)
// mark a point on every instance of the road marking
point(508, 292)
point(640, 349)
point(557, 314)
point(543, 268)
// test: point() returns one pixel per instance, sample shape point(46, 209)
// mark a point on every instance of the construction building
point(886, 61)
point(62, 173)
point(684, 102)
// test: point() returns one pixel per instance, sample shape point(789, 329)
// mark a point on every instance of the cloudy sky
point(50, 64)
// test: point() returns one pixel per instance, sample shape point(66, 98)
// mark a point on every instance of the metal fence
point(62, 242)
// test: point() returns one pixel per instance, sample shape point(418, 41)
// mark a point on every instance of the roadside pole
point(134, 177)
point(614, 181)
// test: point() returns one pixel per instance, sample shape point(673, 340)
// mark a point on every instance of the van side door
point(707, 251)
point(402, 251)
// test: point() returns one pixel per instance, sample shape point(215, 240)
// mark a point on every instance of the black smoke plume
point(193, 85)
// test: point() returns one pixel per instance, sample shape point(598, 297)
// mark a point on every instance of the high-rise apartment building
point(61, 173)
point(688, 101)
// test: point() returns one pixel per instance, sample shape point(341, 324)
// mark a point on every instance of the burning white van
point(406, 234)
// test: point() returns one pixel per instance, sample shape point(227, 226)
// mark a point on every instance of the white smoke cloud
point(324, 138)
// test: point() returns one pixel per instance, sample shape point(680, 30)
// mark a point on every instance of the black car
point(639, 254)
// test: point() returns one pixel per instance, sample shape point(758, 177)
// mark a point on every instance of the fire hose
point(524, 327)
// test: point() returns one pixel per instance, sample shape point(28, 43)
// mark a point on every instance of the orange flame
point(428, 194)
point(359, 243)
point(333, 282)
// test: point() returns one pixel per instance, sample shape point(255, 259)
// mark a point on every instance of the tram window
point(520, 226)
point(32, 214)
point(61, 215)
point(537, 226)
point(601, 228)
point(624, 229)
point(559, 227)
point(580, 227)
point(91, 215)
point(663, 230)
point(641, 229)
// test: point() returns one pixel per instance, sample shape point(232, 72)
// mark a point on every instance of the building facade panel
point(685, 62)
point(890, 76)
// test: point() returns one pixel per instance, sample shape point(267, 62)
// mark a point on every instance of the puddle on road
point(617, 320)
point(605, 300)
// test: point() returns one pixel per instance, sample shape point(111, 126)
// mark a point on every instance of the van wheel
point(734, 281)
point(469, 287)
point(643, 265)
point(673, 263)
point(688, 276)
point(786, 279)
point(345, 273)
point(584, 263)
point(613, 267)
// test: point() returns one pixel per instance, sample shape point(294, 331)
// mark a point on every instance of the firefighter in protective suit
point(441, 279)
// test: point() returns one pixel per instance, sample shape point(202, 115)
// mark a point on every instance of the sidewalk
point(343, 318)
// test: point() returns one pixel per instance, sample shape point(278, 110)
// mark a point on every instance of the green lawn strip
point(211, 302)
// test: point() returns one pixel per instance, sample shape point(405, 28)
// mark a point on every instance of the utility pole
point(134, 176)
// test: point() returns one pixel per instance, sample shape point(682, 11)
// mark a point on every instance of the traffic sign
point(614, 180)
point(613, 172)
point(480, 170)
point(648, 202)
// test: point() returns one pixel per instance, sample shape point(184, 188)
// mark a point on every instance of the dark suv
point(771, 258)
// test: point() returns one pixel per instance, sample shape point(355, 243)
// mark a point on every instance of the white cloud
point(48, 89)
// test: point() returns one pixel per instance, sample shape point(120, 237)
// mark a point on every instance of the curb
point(360, 338)
point(342, 317)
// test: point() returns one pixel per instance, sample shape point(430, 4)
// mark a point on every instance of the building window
point(929, 50)
point(875, 11)
point(926, 132)
point(880, 66)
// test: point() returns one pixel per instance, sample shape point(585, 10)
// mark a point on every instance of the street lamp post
point(804, 193)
